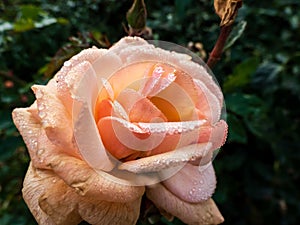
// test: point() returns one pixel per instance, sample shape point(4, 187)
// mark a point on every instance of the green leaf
point(253, 111)
point(241, 75)
point(137, 14)
point(30, 12)
point(23, 24)
point(235, 34)
point(237, 132)
point(242, 104)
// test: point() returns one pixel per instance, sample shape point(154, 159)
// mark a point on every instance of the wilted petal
point(108, 213)
point(49, 198)
point(53, 202)
point(91, 184)
point(193, 184)
point(203, 213)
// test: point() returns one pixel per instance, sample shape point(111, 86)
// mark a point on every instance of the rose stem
point(217, 51)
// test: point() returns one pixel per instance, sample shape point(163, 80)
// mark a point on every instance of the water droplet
point(41, 106)
point(40, 152)
point(201, 181)
point(33, 144)
point(39, 93)
point(67, 64)
point(54, 180)
point(42, 114)
point(75, 57)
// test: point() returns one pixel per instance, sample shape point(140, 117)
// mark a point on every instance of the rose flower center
point(140, 105)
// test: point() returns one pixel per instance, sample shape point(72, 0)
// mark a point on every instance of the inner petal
point(139, 108)
point(159, 77)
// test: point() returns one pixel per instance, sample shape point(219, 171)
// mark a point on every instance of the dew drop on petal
point(39, 94)
point(67, 64)
point(42, 114)
point(40, 152)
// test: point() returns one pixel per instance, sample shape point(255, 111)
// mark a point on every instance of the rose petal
point(159, 77)
point(207, 103)
point(37, 142)
point(55, 119)
point(178, 99)
point(122, 78)
point(51, 201)
point(43, 191)
point(147, 52)
point(215, 134)
point(203, 213)
point(67, 81)
point(91, 184)
point(191, 184)
point(124, 139)
point(167, 160)
point(120, 138)
point(88, 139)
point(139, 108)
point(107, 213)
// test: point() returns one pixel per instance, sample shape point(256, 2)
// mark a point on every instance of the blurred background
point(258, 169)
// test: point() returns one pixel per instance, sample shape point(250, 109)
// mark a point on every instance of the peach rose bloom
point(113, 125)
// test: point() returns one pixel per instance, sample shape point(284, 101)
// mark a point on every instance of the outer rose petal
point(191, 184)
point(38, 144)
point(53, 202)
point(204, 213)
point(90, 184)
point(69, 76)
point(55, 119)
point(38, 185)
point(167, 160)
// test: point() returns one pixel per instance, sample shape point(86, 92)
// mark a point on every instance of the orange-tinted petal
point(139, 108)
point(120, 139)
point(159, 77)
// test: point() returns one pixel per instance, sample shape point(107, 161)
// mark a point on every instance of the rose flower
point(113, 125)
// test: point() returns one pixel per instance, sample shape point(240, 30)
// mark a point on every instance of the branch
point(217, 51)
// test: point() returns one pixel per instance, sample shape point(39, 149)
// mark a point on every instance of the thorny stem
point(217, 51)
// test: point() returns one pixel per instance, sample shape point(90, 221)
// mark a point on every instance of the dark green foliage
point(257, 169)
